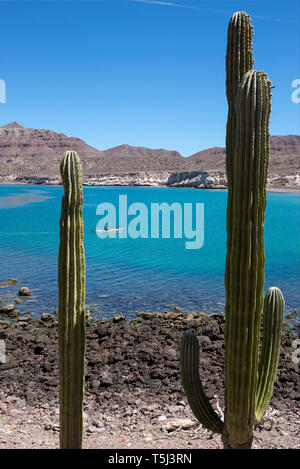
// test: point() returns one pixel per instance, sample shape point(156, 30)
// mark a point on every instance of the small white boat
point(107, 231)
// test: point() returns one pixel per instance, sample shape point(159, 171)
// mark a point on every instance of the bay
point(125, 275)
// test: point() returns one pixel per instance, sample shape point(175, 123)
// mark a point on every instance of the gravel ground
point(134, 398)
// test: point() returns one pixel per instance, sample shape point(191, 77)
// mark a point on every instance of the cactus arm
point(244, 294)
point(199, 403)
point(71, 314)
point(272, 325)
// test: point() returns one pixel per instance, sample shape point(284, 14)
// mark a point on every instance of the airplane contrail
point(177, 5)
point(214, 10)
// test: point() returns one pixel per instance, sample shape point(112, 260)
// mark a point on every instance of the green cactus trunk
point(71, 313)
point(245, 260)
point(239, 55)
point(239, 60)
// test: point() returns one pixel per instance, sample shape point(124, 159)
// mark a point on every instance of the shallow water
point(125, 276)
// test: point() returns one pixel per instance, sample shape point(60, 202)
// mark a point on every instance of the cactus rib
point(272, 325)
point(71, 314)
point(189, 366)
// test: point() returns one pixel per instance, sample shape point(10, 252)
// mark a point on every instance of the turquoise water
point(125, 276)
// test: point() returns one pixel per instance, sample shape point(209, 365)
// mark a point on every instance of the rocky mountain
point(36, 152)
point(284, 156)
point(34, 155)
point(129, 158)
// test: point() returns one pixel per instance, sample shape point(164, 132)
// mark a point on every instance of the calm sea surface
point(125, 276)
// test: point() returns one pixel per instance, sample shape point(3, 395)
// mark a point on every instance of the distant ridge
point(13, 125)
point(36, 153)
point(284, 156)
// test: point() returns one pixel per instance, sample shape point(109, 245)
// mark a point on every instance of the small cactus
point(71, 314)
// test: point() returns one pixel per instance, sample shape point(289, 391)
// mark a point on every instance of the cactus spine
point(71, 314)
point(247, 149)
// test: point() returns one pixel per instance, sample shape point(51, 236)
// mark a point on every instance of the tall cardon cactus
point(248, 380)
point(71, 313)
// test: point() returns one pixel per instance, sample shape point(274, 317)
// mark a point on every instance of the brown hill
point(210, 159)
point(284, 156)
point(26, 151)
point(129, 158)
point(36, 153)
point(13, 125)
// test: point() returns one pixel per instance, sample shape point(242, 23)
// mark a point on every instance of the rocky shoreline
point(129, 360)
point(132, 371)
point(187, 179)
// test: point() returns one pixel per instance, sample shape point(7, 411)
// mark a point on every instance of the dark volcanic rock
point(129, 361)
point(5, 309)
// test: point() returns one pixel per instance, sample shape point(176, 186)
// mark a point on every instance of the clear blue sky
point(140, 72)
